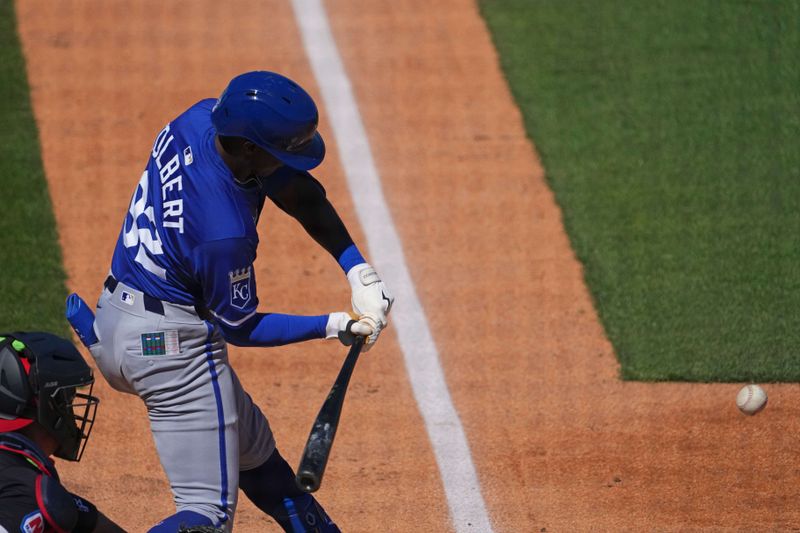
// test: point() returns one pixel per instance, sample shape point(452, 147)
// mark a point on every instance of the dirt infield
point(558, 442)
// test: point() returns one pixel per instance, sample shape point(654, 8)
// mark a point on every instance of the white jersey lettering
point(170, 168)
point(168, 187)
point(146, 238)
point(160, 146)
point(173, 208)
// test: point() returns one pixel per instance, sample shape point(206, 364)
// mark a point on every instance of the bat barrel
point(320, 440)
point(315, 458)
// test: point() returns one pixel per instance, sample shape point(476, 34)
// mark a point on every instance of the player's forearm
point(275, 329)
point(325, 227)
point(305, 200)
point(323, 224)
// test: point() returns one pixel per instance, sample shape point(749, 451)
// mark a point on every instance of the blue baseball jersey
point(189, 236)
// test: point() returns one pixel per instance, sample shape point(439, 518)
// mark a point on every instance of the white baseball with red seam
point(751, 399)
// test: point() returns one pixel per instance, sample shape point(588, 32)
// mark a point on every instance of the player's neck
point(236, 165)
point(41, 437)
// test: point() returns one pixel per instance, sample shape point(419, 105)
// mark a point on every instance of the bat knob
point(307, 481)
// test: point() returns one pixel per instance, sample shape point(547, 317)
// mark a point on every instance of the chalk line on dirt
point(460, 480)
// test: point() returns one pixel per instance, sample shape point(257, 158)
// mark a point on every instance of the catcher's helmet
point(273, 112)
point(39, 374)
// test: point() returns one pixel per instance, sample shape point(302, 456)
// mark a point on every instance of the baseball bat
point(320, 440)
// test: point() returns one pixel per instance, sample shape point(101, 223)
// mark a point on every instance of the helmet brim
point(306, 159)
point(13, 425)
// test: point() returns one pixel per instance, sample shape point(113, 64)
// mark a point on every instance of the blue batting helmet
point(273, 112)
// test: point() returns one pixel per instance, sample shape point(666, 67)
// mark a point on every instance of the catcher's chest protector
point(31, 496)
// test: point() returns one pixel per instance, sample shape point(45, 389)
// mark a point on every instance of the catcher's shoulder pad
point(56, 503)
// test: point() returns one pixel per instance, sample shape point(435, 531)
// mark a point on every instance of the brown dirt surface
point(558, 441)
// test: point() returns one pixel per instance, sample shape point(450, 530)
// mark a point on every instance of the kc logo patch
point(240, 287)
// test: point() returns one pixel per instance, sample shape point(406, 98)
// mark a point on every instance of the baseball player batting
point(182, 285)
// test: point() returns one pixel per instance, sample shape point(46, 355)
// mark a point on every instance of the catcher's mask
point(39, 377)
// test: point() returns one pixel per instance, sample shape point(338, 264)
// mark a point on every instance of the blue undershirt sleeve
point(349, 258)
point(275, 329)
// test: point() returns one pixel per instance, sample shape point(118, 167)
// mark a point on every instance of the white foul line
point(467, 508)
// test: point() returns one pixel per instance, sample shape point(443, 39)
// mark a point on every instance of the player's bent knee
point(181, 520)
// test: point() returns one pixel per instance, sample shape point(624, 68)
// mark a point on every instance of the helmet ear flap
point(15, 389)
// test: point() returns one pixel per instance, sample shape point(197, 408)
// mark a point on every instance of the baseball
point(751, 399)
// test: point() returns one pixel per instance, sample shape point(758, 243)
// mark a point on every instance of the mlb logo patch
point(188, 158)
point(127, 297)
point(240, 287)
point(33, 523)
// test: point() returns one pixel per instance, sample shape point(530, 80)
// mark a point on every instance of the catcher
point(43, 414)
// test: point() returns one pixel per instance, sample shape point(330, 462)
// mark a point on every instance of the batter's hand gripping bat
point(320, 440)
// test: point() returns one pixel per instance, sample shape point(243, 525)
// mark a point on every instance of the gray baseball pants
point(205, 426)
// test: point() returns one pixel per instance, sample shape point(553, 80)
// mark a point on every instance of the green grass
point(670, 133)
point(32, 280)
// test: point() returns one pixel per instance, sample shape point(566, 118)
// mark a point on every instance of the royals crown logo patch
point(240, 287)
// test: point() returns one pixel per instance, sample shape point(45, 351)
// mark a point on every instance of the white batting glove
point(345, 327)
point(371, 300)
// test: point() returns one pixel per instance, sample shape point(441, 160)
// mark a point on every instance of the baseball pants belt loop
point(154, 305)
